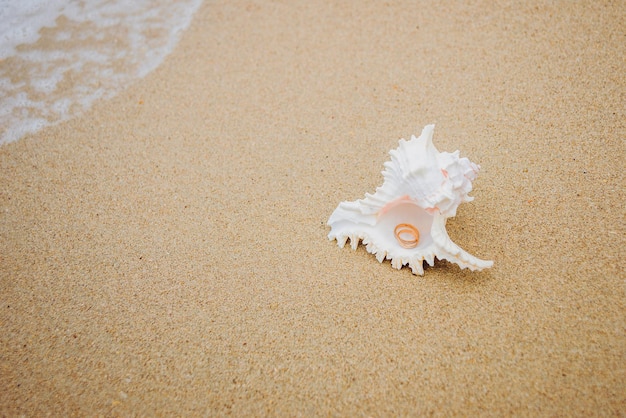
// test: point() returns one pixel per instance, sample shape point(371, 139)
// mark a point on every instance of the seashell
point(405, 219)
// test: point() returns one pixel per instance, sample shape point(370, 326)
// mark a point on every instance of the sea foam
point(57, 57)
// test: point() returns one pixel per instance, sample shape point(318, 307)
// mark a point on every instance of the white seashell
point(405, 220)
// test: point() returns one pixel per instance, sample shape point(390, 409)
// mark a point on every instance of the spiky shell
point(422, 188)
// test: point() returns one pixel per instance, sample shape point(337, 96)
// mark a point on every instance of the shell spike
point(354, 241)
point(417, 267)
point(341, 240)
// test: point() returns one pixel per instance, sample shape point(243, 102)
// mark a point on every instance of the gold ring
point(407, 229)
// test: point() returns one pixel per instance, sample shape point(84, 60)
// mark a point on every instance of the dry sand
point(166, 253)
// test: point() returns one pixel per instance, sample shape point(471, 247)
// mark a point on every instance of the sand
point(166, 253)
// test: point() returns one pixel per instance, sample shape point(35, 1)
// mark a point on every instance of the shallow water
point(57, 57)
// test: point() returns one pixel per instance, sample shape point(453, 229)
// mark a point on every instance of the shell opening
point(404, 229)
point(407, 235)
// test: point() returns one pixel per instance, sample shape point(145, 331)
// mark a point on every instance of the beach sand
point(166, 252)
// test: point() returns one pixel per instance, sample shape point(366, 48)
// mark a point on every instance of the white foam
point(20, 22)
point(57, 57)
